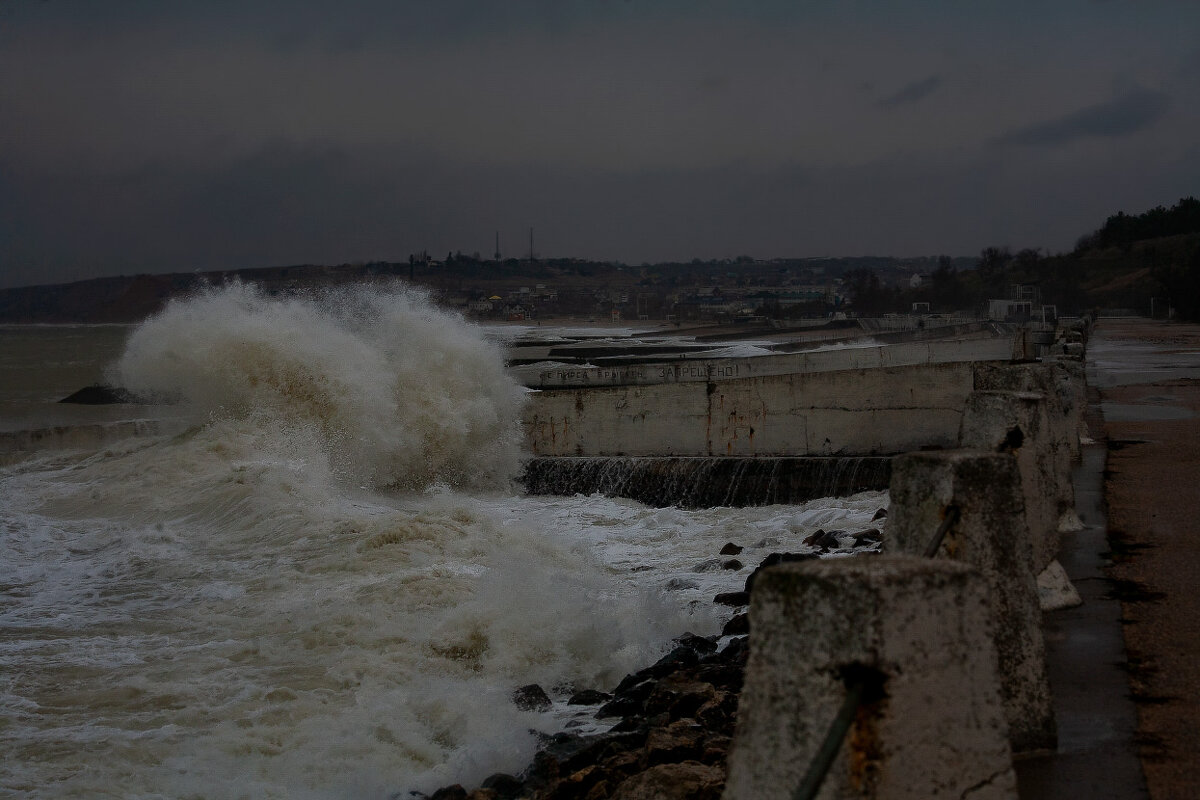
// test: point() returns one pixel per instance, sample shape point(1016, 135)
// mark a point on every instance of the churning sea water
point(317, 580)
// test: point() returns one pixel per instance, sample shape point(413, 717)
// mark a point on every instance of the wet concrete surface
point(1085, 652)
point(1122, 666)
point(1153, 505)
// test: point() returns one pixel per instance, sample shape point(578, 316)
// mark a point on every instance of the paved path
point(1148, 375)
point(1085, 655)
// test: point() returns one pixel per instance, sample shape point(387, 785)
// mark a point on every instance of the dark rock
point(679, 697)
point(561, 746)
point(622, 765)
point(732, 599)
point(690, 780)
point(632, 684)
point(575, 784)
point(633, 680)
point(715, 714)
point(824, 539)
point(868, 537)
point(98, 395)
point(724, 674)
point(454, 792)
point(737, 649)
point(597, 749)
point(589, 697)
point(677, 719)
point(701, 644)
point(542, 771)
point(880, 514)
point(732, 564)
point(777, 558)
point(632, 723)
point(682, 740)
point(716, 749)
point(681, 656)
point(678, 584)
point(531, 698)
point(710, 565)
point(738, 625)
point(503, 784)
point(624, 706)
point(731, 549)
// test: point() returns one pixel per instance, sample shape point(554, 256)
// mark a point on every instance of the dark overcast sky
point(152, 136)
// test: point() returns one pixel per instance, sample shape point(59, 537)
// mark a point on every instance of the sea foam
point(398, 393)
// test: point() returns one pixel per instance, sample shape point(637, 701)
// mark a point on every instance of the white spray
point(398, 393)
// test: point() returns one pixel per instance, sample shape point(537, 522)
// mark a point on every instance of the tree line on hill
point(1147, 262)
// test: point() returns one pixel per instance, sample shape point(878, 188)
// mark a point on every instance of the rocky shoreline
point(675, 718)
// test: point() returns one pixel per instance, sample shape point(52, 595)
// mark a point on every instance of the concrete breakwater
point(936, 647)
point(862, 400)
point(708, 482)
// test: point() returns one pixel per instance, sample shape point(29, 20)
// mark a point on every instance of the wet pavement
point(1122, 665)
point(1085, 652)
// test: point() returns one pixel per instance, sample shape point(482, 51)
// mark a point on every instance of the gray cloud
point(197, 135)
point(1132, 112)
point(912, 93)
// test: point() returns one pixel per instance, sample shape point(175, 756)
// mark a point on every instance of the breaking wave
point(396, 393)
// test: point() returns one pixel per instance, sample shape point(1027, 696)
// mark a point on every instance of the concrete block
point(1055, 589)
point(990, 535)
point(1062, 382)
point(1018, 423)
point(1070, 381)
point(935, 729)
point(870, 411)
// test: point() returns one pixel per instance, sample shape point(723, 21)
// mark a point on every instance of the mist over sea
point(318, 578)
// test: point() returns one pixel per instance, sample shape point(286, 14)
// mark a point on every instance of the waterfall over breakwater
point(709, 482)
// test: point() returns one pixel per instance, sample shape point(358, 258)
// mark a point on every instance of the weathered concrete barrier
point(934, 725)
point(1018, 422)
point(702, 482)
point(876, 411)
point(997, 343)
point(1060, 381)
point(991, 535)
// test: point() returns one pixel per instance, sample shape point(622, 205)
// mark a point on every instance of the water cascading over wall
point(708, 482)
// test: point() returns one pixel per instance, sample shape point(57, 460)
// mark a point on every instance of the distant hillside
point(1145, 262)
point(456, 280)
point(132, 298)
point(1134, 258)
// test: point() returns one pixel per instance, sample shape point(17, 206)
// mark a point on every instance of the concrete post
point(1017, 422)
point(936, 727)
point(1060, 381)
point(1071, 382)
point(990, 535)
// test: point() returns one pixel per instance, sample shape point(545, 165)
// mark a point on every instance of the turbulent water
point(319, 581)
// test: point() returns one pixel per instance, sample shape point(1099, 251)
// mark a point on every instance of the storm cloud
point(913, 92)
point(142, 137)
point(1122, 116)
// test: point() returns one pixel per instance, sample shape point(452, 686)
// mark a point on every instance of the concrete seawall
point(882, 410)
point(708, 482)
point(872, 400)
